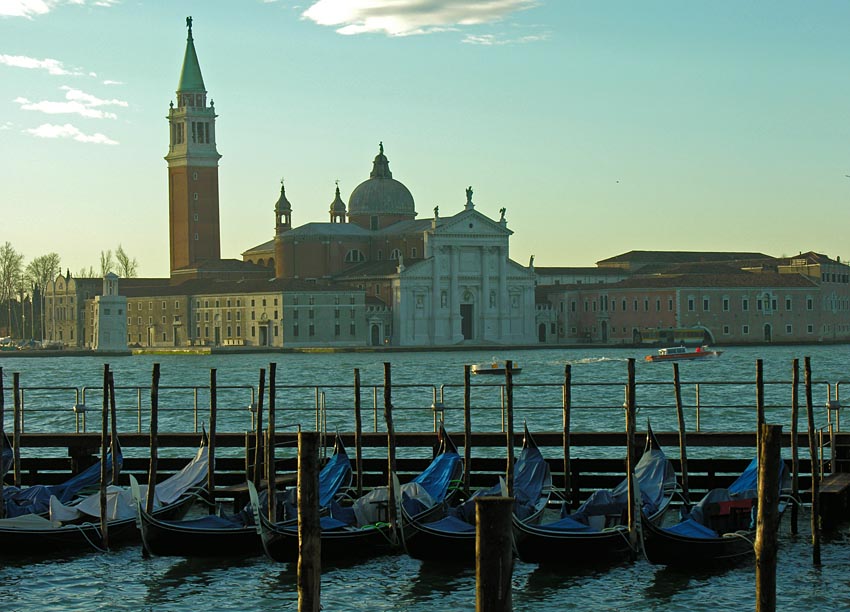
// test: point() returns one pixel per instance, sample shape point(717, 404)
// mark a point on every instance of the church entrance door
point(466, 320)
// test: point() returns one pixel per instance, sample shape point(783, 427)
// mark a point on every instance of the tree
point(41, 271)
point(126, 266)
point(107, 264)
point(11, 265)
point(83, 273)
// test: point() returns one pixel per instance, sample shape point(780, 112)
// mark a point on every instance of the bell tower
point(193, 209)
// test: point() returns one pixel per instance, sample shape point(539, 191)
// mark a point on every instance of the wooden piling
point(2, 443)
point(816, 560)
point(309, 530)
point(257, 472)
point(154, 438)
point(467, 426)
point(358, 433)
point(795, 451)
point(17, 421)
point(567, 405)
point(493, 554)
point(683, 436)
point(211, 450)
point(767, 528)
point(388, 417)
point(271, 474)
point(509, 413)
point(104, 427)
point(113, 428)
point(759, 400)
point(634, 511)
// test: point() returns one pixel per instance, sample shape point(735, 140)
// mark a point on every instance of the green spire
point(190, 75)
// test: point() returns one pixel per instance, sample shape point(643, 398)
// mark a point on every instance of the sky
point(601, 126)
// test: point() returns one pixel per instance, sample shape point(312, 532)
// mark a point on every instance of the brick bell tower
point(193, 218)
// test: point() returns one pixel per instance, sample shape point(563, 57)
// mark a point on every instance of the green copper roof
point(190, 75)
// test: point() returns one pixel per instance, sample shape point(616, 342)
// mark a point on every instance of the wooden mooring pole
point(767, 528)
point(211, 450)
point(2, 445)
point(113, 429)
point(104, 429)
point(358, 433)
point(567, 409)
point(683, 436)
point(467, 426)
point(759, 401)
point(154, 438)
point(17, 421)
point(813, 453)
point(634, 511)
point(509, 403)
point(493, 554)
point(795, 451)
point(392, 519)
point(257, 472)
point(271, 473)
point(309, 530)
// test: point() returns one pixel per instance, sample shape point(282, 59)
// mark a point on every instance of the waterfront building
point(443, 280)
point(64, 306)
point(802, 299)
point(108, 322)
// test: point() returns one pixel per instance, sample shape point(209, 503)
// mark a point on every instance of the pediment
point(471, 223)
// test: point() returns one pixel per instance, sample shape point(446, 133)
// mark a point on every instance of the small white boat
point(495, 367)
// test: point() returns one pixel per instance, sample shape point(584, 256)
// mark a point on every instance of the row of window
point(789, 329)
point(311, 329)
point(763, 304)
point(357, 256)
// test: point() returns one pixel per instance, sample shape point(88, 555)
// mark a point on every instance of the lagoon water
point(123, 580)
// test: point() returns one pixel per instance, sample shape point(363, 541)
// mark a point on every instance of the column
point(454, 295)
point(485, 292)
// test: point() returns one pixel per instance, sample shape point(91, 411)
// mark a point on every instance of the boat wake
point(595, 360)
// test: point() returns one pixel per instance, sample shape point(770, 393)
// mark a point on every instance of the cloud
point(108, 82)
point(489, 40)
point(407, 17)
point(48, 130)
point(24, 8)
point(51, 65)
point(76, 103)
point(34, 8)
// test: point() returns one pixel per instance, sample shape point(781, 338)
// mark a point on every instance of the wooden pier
point(235, 457)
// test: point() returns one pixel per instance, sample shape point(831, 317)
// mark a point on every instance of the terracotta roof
point(645, 257)
point(747, 279)
point(587, 271)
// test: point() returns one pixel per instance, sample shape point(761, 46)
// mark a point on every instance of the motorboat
point(677, 353)
point(495, 367)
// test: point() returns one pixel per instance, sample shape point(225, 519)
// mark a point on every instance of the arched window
point(395, 254)
point(354, 256)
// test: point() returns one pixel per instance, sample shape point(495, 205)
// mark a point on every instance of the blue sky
point(602, 126)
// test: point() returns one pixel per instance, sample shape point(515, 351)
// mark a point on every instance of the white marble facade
point(466, 290)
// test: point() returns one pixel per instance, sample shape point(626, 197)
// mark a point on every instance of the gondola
point(719, 530)
point(597, 532)
point(36, 498)
point(77, 527)
point(452, 537)
point(362, 529)
point(236, 535)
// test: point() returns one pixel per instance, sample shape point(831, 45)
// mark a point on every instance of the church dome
point(381, 193)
